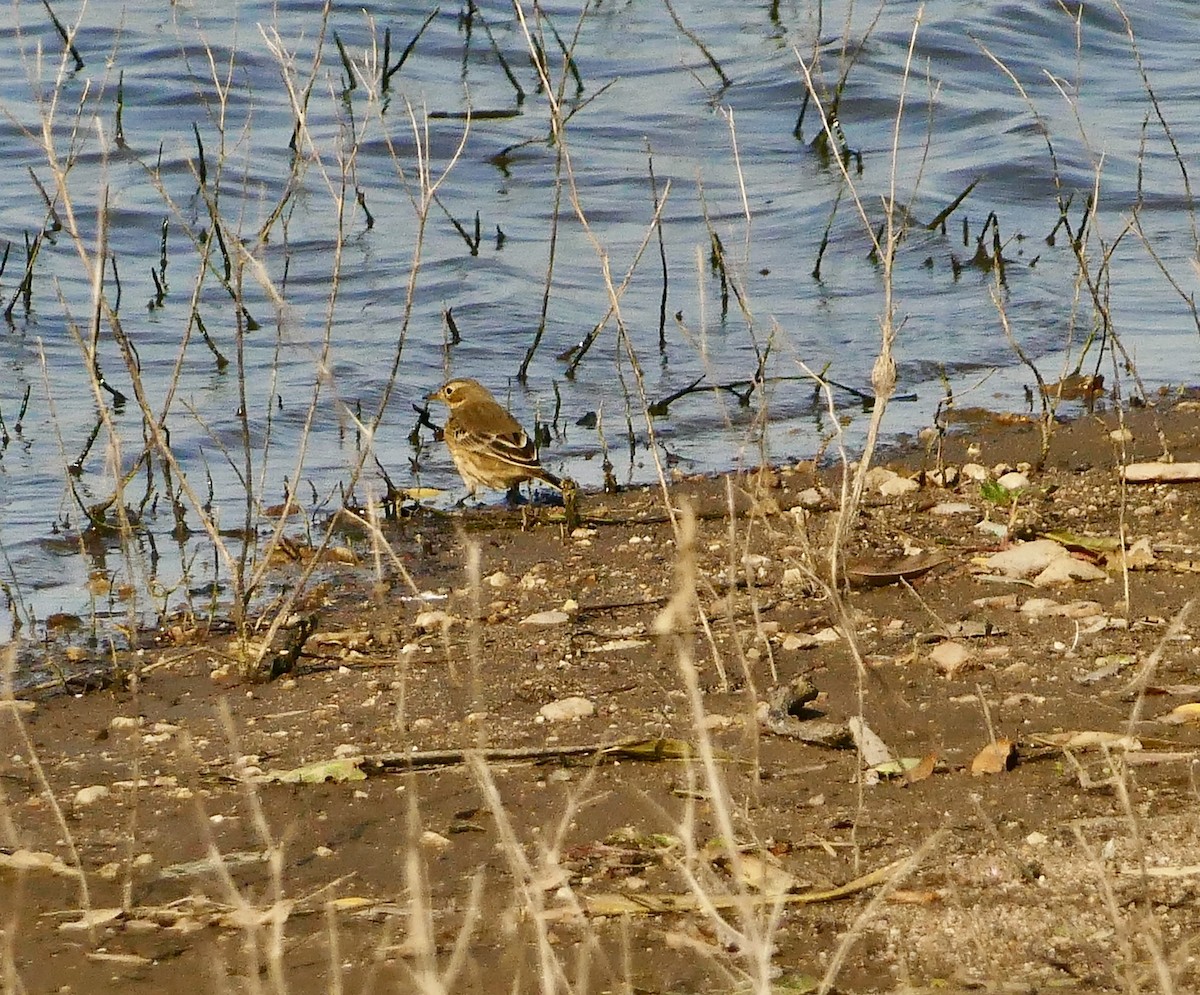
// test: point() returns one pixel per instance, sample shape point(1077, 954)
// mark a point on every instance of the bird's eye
point(449, 390)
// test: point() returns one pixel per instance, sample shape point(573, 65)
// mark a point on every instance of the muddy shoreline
point(1067, 867)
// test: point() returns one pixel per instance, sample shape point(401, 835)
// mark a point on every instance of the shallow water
point(218, 71)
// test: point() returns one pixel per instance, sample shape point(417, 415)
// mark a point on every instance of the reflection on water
point(191, 113)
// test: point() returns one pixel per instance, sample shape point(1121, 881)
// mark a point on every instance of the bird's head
point(456, 393)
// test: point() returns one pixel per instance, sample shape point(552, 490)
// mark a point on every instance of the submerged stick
point(452, 326)
point(51, 211)
point(695, 40)
point(202, 170)
point(119, 129)
point(572, 67)
point(743, 390)
point(222, 362)
point(551, 258)
point(25, 287)
point(816, 270)
point(65, 35)
point(662, 255)
point(117, 282)
point(160, 292)
point(351, 83)
point(950, 208)
point(472, 241)
point(361, 198)
point(24, 408)
point(717, 263)
point(390, 71)
point(473, 8)
point(162, 251)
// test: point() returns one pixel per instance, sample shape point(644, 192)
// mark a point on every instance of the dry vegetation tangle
point(705, 856)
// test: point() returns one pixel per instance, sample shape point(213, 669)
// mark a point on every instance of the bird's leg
point(513, 498)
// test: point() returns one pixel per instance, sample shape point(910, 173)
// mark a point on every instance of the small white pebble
point(91, 795)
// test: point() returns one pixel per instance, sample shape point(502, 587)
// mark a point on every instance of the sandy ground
point(163, 834)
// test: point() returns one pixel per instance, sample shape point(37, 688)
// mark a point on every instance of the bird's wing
point(513, 447)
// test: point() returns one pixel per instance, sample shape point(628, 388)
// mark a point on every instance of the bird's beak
point(437, 395)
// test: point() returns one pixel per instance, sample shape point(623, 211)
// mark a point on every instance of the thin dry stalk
point(474, 570)
point(529, 886)
point(883, 374)
point(1049, 398)
point(755, 925)
point(744, 565)
point(275, 917)
point(1140, 682)
point(556, 208)
point(861, 921)
point(1135, 926)
point(8, 666)
point(558, 130)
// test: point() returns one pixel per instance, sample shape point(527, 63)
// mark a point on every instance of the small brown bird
point(487, 444)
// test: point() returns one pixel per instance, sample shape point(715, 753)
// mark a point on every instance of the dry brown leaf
point(35, 860)
point(351, 903)
point(1077, 387)
point(128, 960)
point(923, 770)
point(995, 758)
point(1174, 690)
point(91, 919)
point(1188, 714)
point(1089, 739)
point(871, 748)
point(349, 639)
point(875, 571)
point(766, 876)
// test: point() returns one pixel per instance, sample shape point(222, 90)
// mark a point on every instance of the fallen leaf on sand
point(339, 770)
point(995, 758)
point(898, 768)
point(35, 860)
point(91, 919)
point(1027, 559)
point(923, 770)
point(949, 658)
point(1188, 714)
point(871, 748)
point(762, 875)
point(1084, 543)
point(1090, 739)
point(876, 571)
point(551, 617)
point(1076, 387)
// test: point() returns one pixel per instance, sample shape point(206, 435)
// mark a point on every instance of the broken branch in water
point(743, 390)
